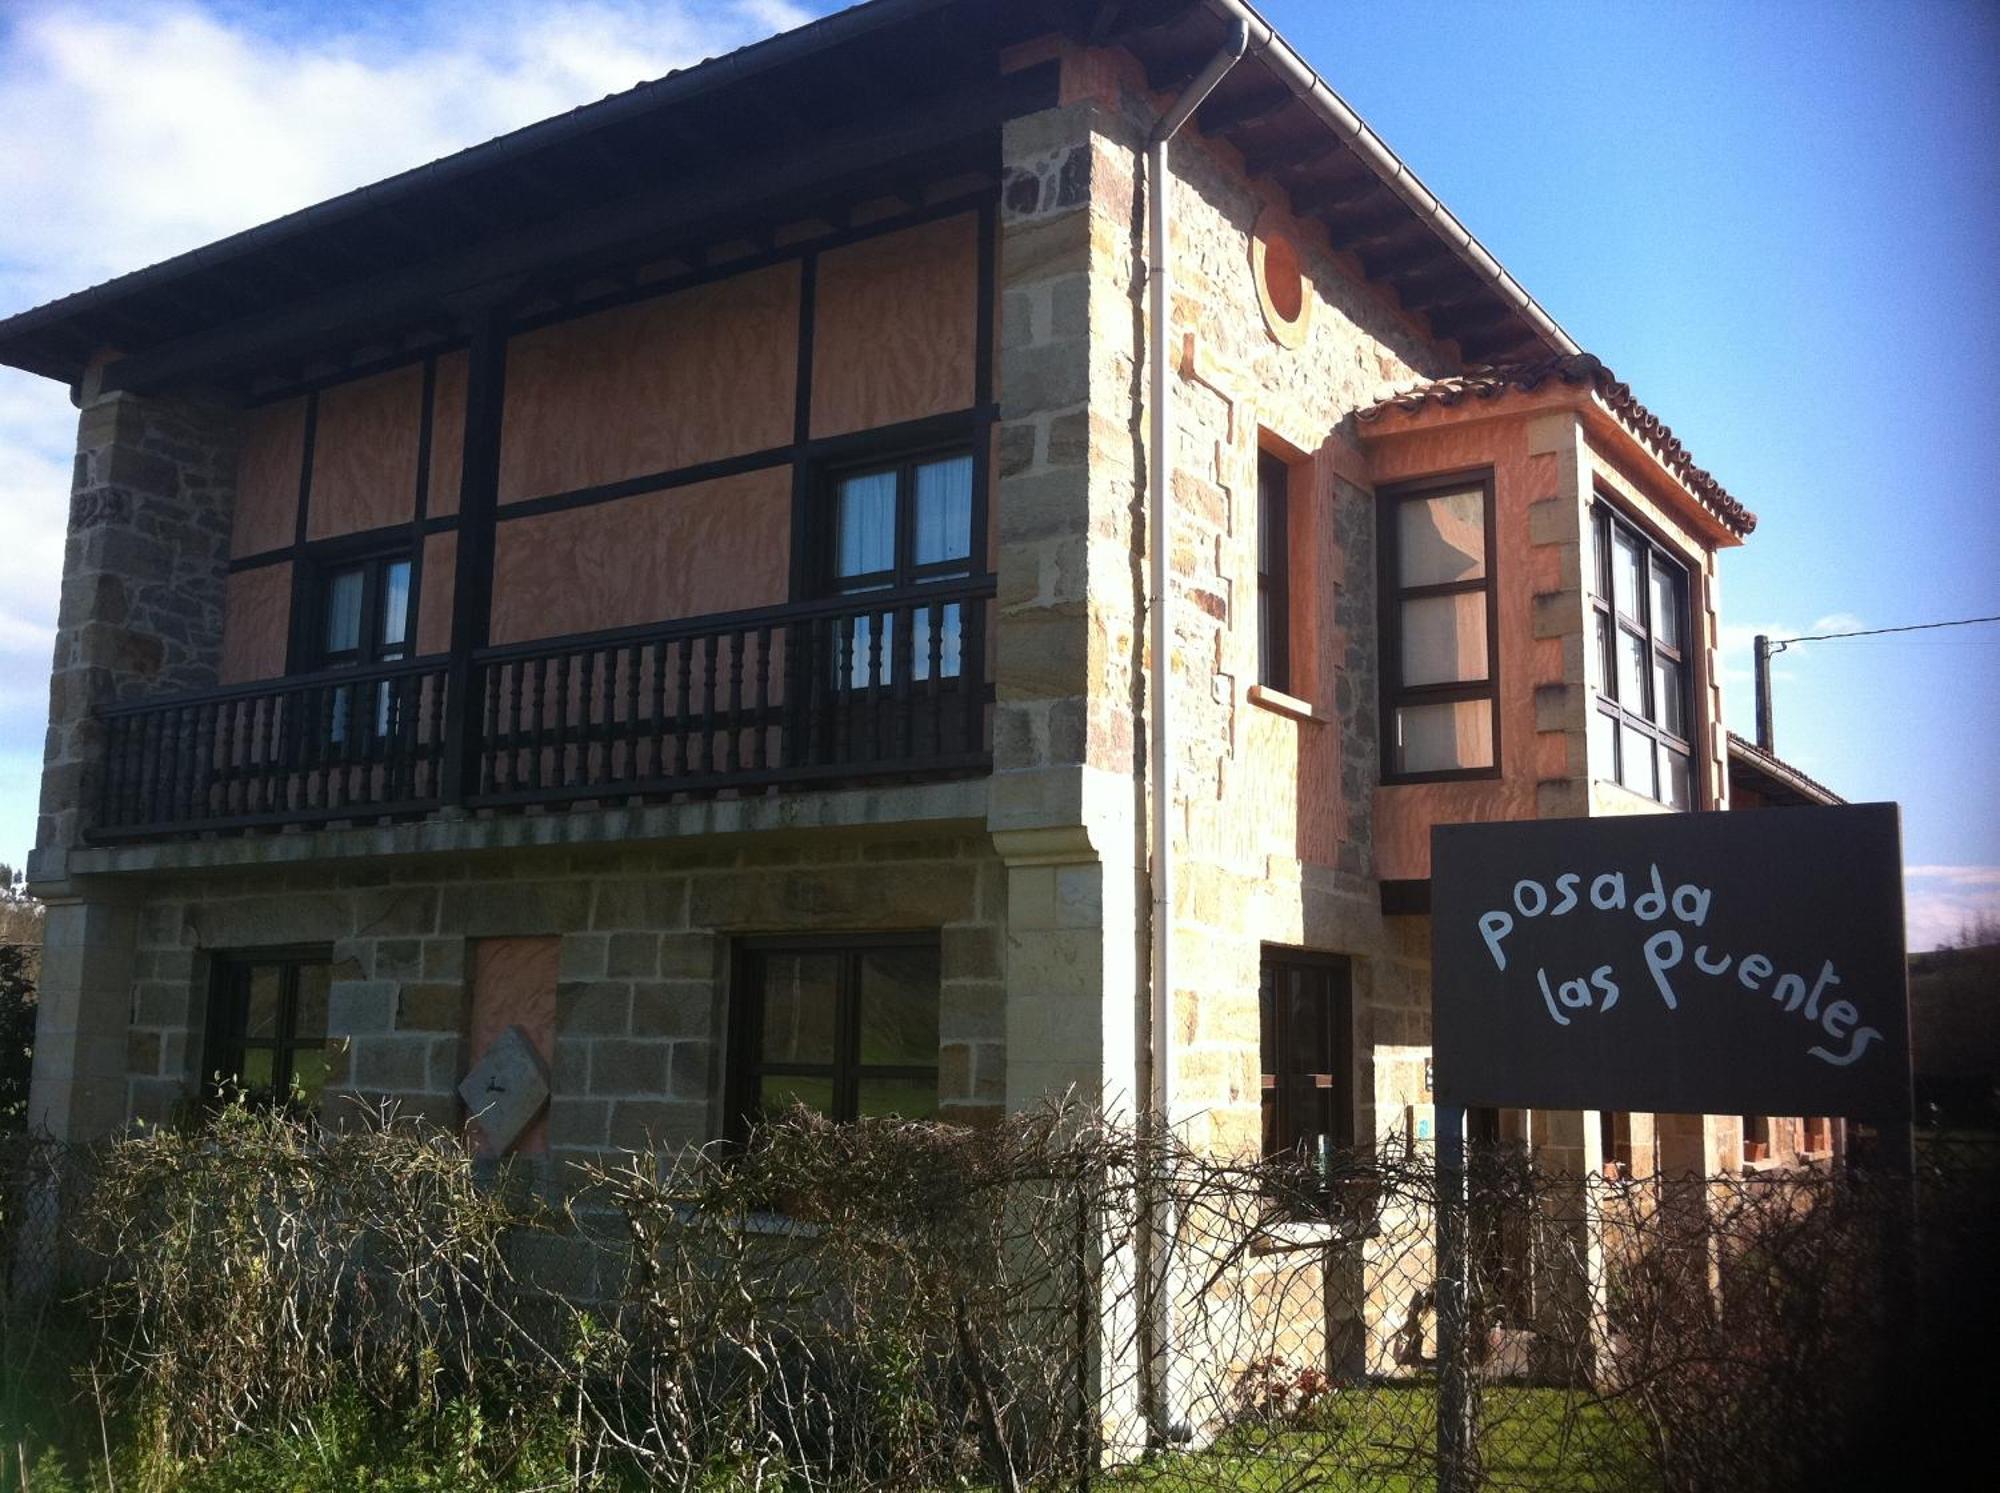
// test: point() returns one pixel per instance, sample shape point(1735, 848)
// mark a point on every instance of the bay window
point(1642, 722)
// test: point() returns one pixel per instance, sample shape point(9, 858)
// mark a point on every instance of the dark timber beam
point(392, 299)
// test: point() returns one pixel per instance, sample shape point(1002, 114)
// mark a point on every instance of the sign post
point(1738, 963)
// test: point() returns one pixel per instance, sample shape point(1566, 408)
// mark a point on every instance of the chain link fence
point(1058, 1302)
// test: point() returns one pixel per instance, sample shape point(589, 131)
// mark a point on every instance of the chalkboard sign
point(1728, 963)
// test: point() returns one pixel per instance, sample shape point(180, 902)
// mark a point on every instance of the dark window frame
point(372, 554)
point(904, 573)
point(743, 1057)
point(224, 1040)
point(1393, 594)
point(1274, 584)
point(1282, 1135)
point(1607, 518)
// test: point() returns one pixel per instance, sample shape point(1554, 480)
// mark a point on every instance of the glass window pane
point(266, 999)
point(1628, 572)
point(254, 1073)
point(944, 510)
point(1600, 657)
point(308, 1075)
point(865, 525)
point(1669, 696)
point(799, 1007)
point(777, 1093)
point(869, 649)
point(1444, 639)
point(899, 1007)
point(948, 641)
point(1600, 541)
point(395, 604)
point(1635, 754)
point(309, 1019)
point(1440, 738)
point(1667, 604)
point(899, 1098)
point(1632, 653)
point(343, 612)
point(1603, 746)
point(1676, 779)
point(1441, 539)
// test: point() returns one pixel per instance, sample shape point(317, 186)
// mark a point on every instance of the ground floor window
point(267, 1026)
point(1305, 1004)
point(847, 1027)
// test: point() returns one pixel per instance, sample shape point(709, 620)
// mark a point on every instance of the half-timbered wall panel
point(267, 477)
point(447, 434)
point(434, 593)
point(895, 325)
point(671, 382)
point(364, 458)
point(257, 607)
point(718, 546)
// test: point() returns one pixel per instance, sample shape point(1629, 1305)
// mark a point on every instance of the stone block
point(688, 956)
point(142, 1053)
point(438, 1007)
point(675, 1008)
point(690, 1070)
point(593, 1007)
point(584, 956)
point(658, 1125)
point(397, 959)
point(503, 909)
point(360, 1006)
point(623, 1066)
point(444, 959)
point(575, 1121)
point(392, 1064)
point(395, 911)
point(654, 903)
point(633, 956)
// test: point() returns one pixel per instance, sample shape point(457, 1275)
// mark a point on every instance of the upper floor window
point(1641, 725)
point(847, 1027)
point(895, 525)
point(267, 1027)
point(363, 612)
point(361, 618)
point(1439, 636)
point(1274, 605)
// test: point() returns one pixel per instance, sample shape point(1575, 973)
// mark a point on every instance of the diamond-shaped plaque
point(505, 1090)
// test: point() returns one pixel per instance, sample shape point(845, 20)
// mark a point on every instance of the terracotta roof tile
point(1648, 428)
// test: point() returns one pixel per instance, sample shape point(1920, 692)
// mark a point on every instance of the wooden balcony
point(877, 687)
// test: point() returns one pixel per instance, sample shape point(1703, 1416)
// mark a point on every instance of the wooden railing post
point(472, 594)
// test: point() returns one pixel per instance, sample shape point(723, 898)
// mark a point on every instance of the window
point(1274, 606)
point(1305, 1009)
point(1440, 655)
point(892, 526)
point(362, 618)
point(846, 1027)
point(267, 1027)
point(1642, 726)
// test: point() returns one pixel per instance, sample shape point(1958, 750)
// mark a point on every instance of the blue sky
point(1776, 222)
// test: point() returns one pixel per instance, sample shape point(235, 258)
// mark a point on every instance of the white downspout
point(1165, 1418)
point(1159, 481)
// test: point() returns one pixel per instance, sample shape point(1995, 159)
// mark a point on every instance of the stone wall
point(143, 576)
point(645, 937)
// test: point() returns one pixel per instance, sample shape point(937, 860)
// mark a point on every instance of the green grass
point(1382, 1439)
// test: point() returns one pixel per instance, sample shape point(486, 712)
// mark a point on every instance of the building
point(668, 590)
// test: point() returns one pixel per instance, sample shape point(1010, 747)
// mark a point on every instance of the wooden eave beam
point(395, 297)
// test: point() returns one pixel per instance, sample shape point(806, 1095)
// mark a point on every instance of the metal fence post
point(1454, 1380)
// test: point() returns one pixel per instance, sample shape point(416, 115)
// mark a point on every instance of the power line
point(1779, 644)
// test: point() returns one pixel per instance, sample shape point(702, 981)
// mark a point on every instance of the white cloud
point(1940, 902)
point(135, 131)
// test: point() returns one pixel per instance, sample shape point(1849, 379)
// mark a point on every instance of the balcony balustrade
point(878, 686)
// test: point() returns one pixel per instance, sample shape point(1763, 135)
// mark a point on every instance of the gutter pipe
point(1312, 90)
point(1164, 1416)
